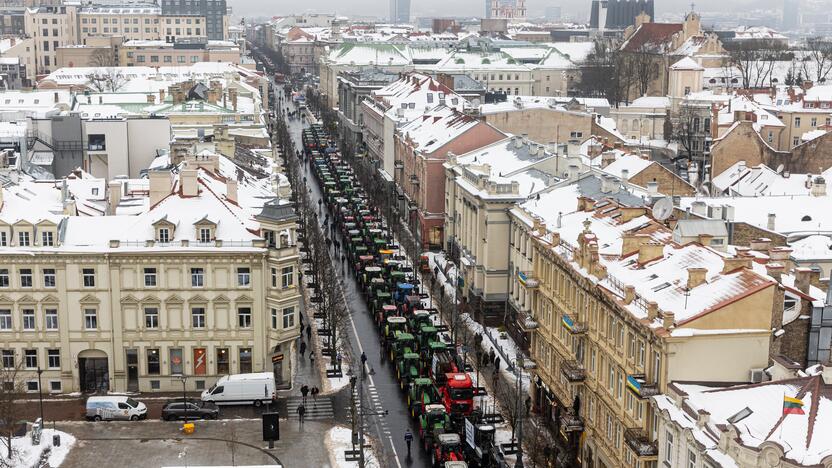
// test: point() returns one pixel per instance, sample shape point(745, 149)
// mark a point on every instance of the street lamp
point(40, 395)
point(184, 396)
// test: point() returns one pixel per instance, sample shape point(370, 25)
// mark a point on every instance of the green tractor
point(427, 334)
point(403, 344)
point(432, 422)
point(407, 369)
point(394, 325)
point(422, 393)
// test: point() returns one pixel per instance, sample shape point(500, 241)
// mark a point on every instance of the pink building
point(421, 146)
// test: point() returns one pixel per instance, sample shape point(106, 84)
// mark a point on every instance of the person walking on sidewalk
point(363, 362)
point(301, 412)
point(312, 358)
point(302, 348)
point(314, 393)
point(309, 333)
point(408, 439)
point(304, 390)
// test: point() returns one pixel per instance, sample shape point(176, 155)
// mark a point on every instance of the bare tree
point(642, 66)
point(108, 80)
point(689, 131)
point(102, 58)
point(818, 53)
point(754, 60)
point(11, 387)
point(538, 442)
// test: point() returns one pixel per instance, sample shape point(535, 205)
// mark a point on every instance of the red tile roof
point(653, 36)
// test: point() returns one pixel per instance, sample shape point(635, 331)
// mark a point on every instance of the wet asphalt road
point(381, 390)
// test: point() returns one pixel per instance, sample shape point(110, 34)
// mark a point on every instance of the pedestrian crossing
point(322, 408)
point(372, 407)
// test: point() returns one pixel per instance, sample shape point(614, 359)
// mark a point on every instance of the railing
point(571, 422)
point(639, 443)
point(573, 371)
point(149, 243)
point(574, 326)
point(641, 387)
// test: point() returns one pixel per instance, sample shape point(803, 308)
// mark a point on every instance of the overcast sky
point(464, 7)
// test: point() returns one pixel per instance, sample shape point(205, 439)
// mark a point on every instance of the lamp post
point(40, 395)
point(184, 396)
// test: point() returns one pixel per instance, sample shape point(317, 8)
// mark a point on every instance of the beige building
point(152, 53)
point(137, 22)
point(188, 274)
point(51, 27)
point(618, 311)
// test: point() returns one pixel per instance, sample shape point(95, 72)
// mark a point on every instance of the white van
point(111, 408)
point(242, 389)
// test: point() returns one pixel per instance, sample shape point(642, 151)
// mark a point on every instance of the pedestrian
point(491, 355)
point(301, 327)
point(301, 412)
point(528, 403)
point(497, 364)
point(302, 348)
point(304, 390)
point(408, 438)
point(315, 392)
point(363, 359)
point(309, 333)
point(312, 358)
point(338, 359)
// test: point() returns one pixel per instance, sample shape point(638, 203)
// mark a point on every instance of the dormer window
point(47, 238)
point(205, 234)
point(163, 235)
point(23, 238)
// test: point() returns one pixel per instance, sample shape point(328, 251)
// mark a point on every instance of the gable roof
point(654, 37)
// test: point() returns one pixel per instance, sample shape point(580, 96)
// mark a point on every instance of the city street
point(381, 390)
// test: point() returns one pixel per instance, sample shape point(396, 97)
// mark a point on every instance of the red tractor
point(446, 449)
point(458, 394)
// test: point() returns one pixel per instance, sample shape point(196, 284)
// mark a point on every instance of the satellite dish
point(663, 208)
point(780, 169)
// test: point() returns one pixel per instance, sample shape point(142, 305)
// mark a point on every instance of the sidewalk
point(303, 372)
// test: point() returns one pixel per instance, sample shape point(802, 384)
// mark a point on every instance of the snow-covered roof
point(651, 102)
point(818, 93)
point(436, 128)
point(814, 247)
point(631, 163)
point(407, 98)
point(687, 63)
point(741, 180)
point(803, 438)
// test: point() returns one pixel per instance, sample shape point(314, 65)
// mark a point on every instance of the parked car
point(189, 409)
point(242, 389)
point(114, 407)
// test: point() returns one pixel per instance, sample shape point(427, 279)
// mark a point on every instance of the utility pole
point(361, 424)
point(519, 410)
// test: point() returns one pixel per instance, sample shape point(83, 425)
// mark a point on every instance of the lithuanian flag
point(792, 405)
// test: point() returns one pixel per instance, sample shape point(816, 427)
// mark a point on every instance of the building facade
point(215, 13)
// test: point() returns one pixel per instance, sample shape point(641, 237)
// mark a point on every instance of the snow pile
point(25, 455)
point(337, 441)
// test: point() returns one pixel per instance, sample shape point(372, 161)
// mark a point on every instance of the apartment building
point(133, 284)
point(618, 310)
point(138, 22)
point(214, 12)
point(51, 27)
point(183, 51)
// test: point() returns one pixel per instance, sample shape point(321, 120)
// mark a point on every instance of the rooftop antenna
point(663, 208)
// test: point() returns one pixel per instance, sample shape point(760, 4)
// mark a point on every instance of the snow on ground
point(26, 455)
point(504, 343)
point(338, 440)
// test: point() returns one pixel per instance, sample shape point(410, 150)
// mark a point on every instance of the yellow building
point(189, 273)
point(617, 310)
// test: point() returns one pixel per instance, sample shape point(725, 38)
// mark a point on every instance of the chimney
point(151, 99)
point(696, 276)
point(775, 270)
point(159, 186)
point(771, 221)
point(734, 263)
point(161, 95)
point(819, 187)
point(760, 244)
point(630, 242)
point(188, 182)
point(232, 95)
point(650, 251)
point(625, 177)
point(56, 97)
point(652, 310)
point(702, 418)
point(607, 158)
point(629, 294)
point(779, 253)
point(532, 149)
point(113, 196)
point(231, 190)
point(802, 279)
point(668, 320)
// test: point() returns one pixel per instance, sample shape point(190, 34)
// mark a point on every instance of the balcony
point(526, 322)
point(573, 325)
point(571, 422)
point(573, 371)
point(527, 280)
point(414, 179)
point(641, 387)
point(398, 165)
point(637, 441)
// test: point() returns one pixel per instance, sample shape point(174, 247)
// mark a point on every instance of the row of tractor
point(431, 373)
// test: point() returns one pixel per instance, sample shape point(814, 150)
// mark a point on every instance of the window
point(153, 367)
point(243, 276)
point(28, 319)
point(797, 122)
point(164, 235)
point(244, 317)
point(89, 277)
point(53, 358)
point(8, 359)
point(150, 277)
point(4, 240)
point(154, 59)
point(795, 141)
point(288, 317)
point(222, 361)
point(90, 319)
point(575, 135)
point(691, 459)
point(30, 358)
point(48, 277)
point(197, 277)
point(55, 386)
point(4, 278)
point(198, 317)
point(668, 447)
point(274, 319)
point(31, 385)
point(47, 238)
point(23, 238)
point(641, 354)
point(176, 365)
point(5, 319)
point(273, 271)
point(51, 319)
point(25, 278)
point(96, 142)
point(813, 122)
point(151, 317)
point(245, 360)
point(168, 58)
point(287, 277)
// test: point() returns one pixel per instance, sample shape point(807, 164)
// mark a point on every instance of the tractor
point(447, 448)
point(407, 369)
point(432, 422)
point(422, 393)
